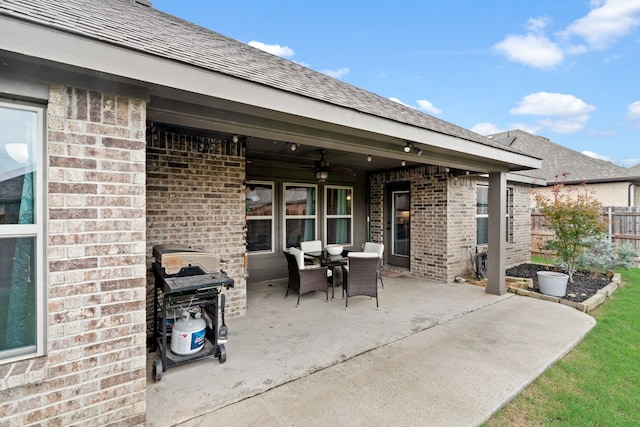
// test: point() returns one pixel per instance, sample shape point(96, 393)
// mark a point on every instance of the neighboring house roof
point(133, 25)
point(564, 165)
point(635, 169)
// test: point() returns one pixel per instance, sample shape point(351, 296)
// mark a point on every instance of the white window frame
point(37, 230)
point(327, 217)
point(285, 217)
point(508, 213)
point(265, 217)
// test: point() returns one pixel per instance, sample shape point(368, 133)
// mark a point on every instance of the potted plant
point(573, 216)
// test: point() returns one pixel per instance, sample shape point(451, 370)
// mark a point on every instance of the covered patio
point(475, 355)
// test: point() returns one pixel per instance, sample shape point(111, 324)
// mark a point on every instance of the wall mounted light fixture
point(369, 158)
point(407, 148)
point(292, 146)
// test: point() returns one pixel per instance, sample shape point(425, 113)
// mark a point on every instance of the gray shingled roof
point(137, 27)
point(562, 164)
point(635, 169)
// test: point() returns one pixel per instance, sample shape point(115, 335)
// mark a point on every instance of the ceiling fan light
point(322, 175)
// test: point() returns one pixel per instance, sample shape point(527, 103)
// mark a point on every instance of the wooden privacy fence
point(624, 226)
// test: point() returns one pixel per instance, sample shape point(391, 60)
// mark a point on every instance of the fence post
point(609, 217)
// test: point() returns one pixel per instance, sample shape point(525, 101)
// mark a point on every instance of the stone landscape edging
point(521, 286)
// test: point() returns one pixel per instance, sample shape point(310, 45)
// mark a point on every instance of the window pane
point(17, 296)
point(259, 200)
point(482, 203)
point(300, 201)
point(18, 142)
point(259, 235)
point(300, 230)
point(482, 234)
point(401, 233)
point(339, 230)
point(339, 201)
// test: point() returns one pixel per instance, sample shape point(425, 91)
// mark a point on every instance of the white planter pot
point(552, 283)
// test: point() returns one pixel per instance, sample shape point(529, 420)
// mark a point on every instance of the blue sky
point(567, 70)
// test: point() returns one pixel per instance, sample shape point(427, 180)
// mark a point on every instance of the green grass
point(541, 260)
point(597, 383)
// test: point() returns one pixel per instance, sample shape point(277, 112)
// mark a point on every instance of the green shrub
point(599, 256)
point(572, 219)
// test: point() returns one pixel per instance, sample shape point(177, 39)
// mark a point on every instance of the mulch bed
point(584, 286)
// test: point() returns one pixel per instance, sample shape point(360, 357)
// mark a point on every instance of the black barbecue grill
point(186, 276)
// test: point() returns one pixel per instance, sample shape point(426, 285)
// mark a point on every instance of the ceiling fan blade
point(343, 171)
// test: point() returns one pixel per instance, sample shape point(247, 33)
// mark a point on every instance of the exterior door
point(398, 225)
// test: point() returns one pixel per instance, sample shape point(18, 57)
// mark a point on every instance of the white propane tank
point(187, 336)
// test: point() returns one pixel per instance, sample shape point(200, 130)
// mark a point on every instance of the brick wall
point(519, 246)
point(443, 221)
point(461, 226)
point(94, 372)
point(195, 197)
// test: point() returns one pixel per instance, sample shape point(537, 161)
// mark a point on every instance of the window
point(259, 200)
point(339, 216)
point(482, 215)
point(299, 214)
point(22, 316)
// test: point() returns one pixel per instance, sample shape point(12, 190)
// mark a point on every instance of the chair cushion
point(362, 255)
point(311, 246)
point(374, 247)
point(299, 257)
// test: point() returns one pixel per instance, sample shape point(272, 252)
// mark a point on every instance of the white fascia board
point(75, 50)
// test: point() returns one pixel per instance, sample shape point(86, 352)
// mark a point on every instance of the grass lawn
point(597, 383)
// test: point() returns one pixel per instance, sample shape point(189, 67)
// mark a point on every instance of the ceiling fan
point(322, 168)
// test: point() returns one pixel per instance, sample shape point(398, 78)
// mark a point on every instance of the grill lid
point(172, 258)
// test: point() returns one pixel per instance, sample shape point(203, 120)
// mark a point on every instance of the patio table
point(335, 262)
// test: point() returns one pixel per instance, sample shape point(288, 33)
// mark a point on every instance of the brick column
point(97, 273)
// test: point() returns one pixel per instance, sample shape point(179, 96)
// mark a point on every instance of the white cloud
point(558, 112)
point(400, 102)
point(428, 107)
point(608, 21)
point(274, 49)
point(336, 73)
point(552, 104)
point(597, 156)
point(567, 125)
point(533, 49)
point(633, 110)
point(486, 129)
point(536, 25)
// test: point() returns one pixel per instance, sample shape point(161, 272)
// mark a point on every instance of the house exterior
point(123, 127)
point(613, 185)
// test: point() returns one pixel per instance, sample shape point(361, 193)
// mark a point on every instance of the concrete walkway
point(434, 354)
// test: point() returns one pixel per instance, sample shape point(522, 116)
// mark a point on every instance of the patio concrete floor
point(433, 354)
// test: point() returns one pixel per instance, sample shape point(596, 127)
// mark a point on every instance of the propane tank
point(187, 336)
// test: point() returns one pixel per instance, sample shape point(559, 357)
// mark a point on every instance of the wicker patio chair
point(360, 276)
point(304, 279)
point(377, 248)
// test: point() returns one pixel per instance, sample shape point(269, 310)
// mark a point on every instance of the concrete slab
point(434, 354)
